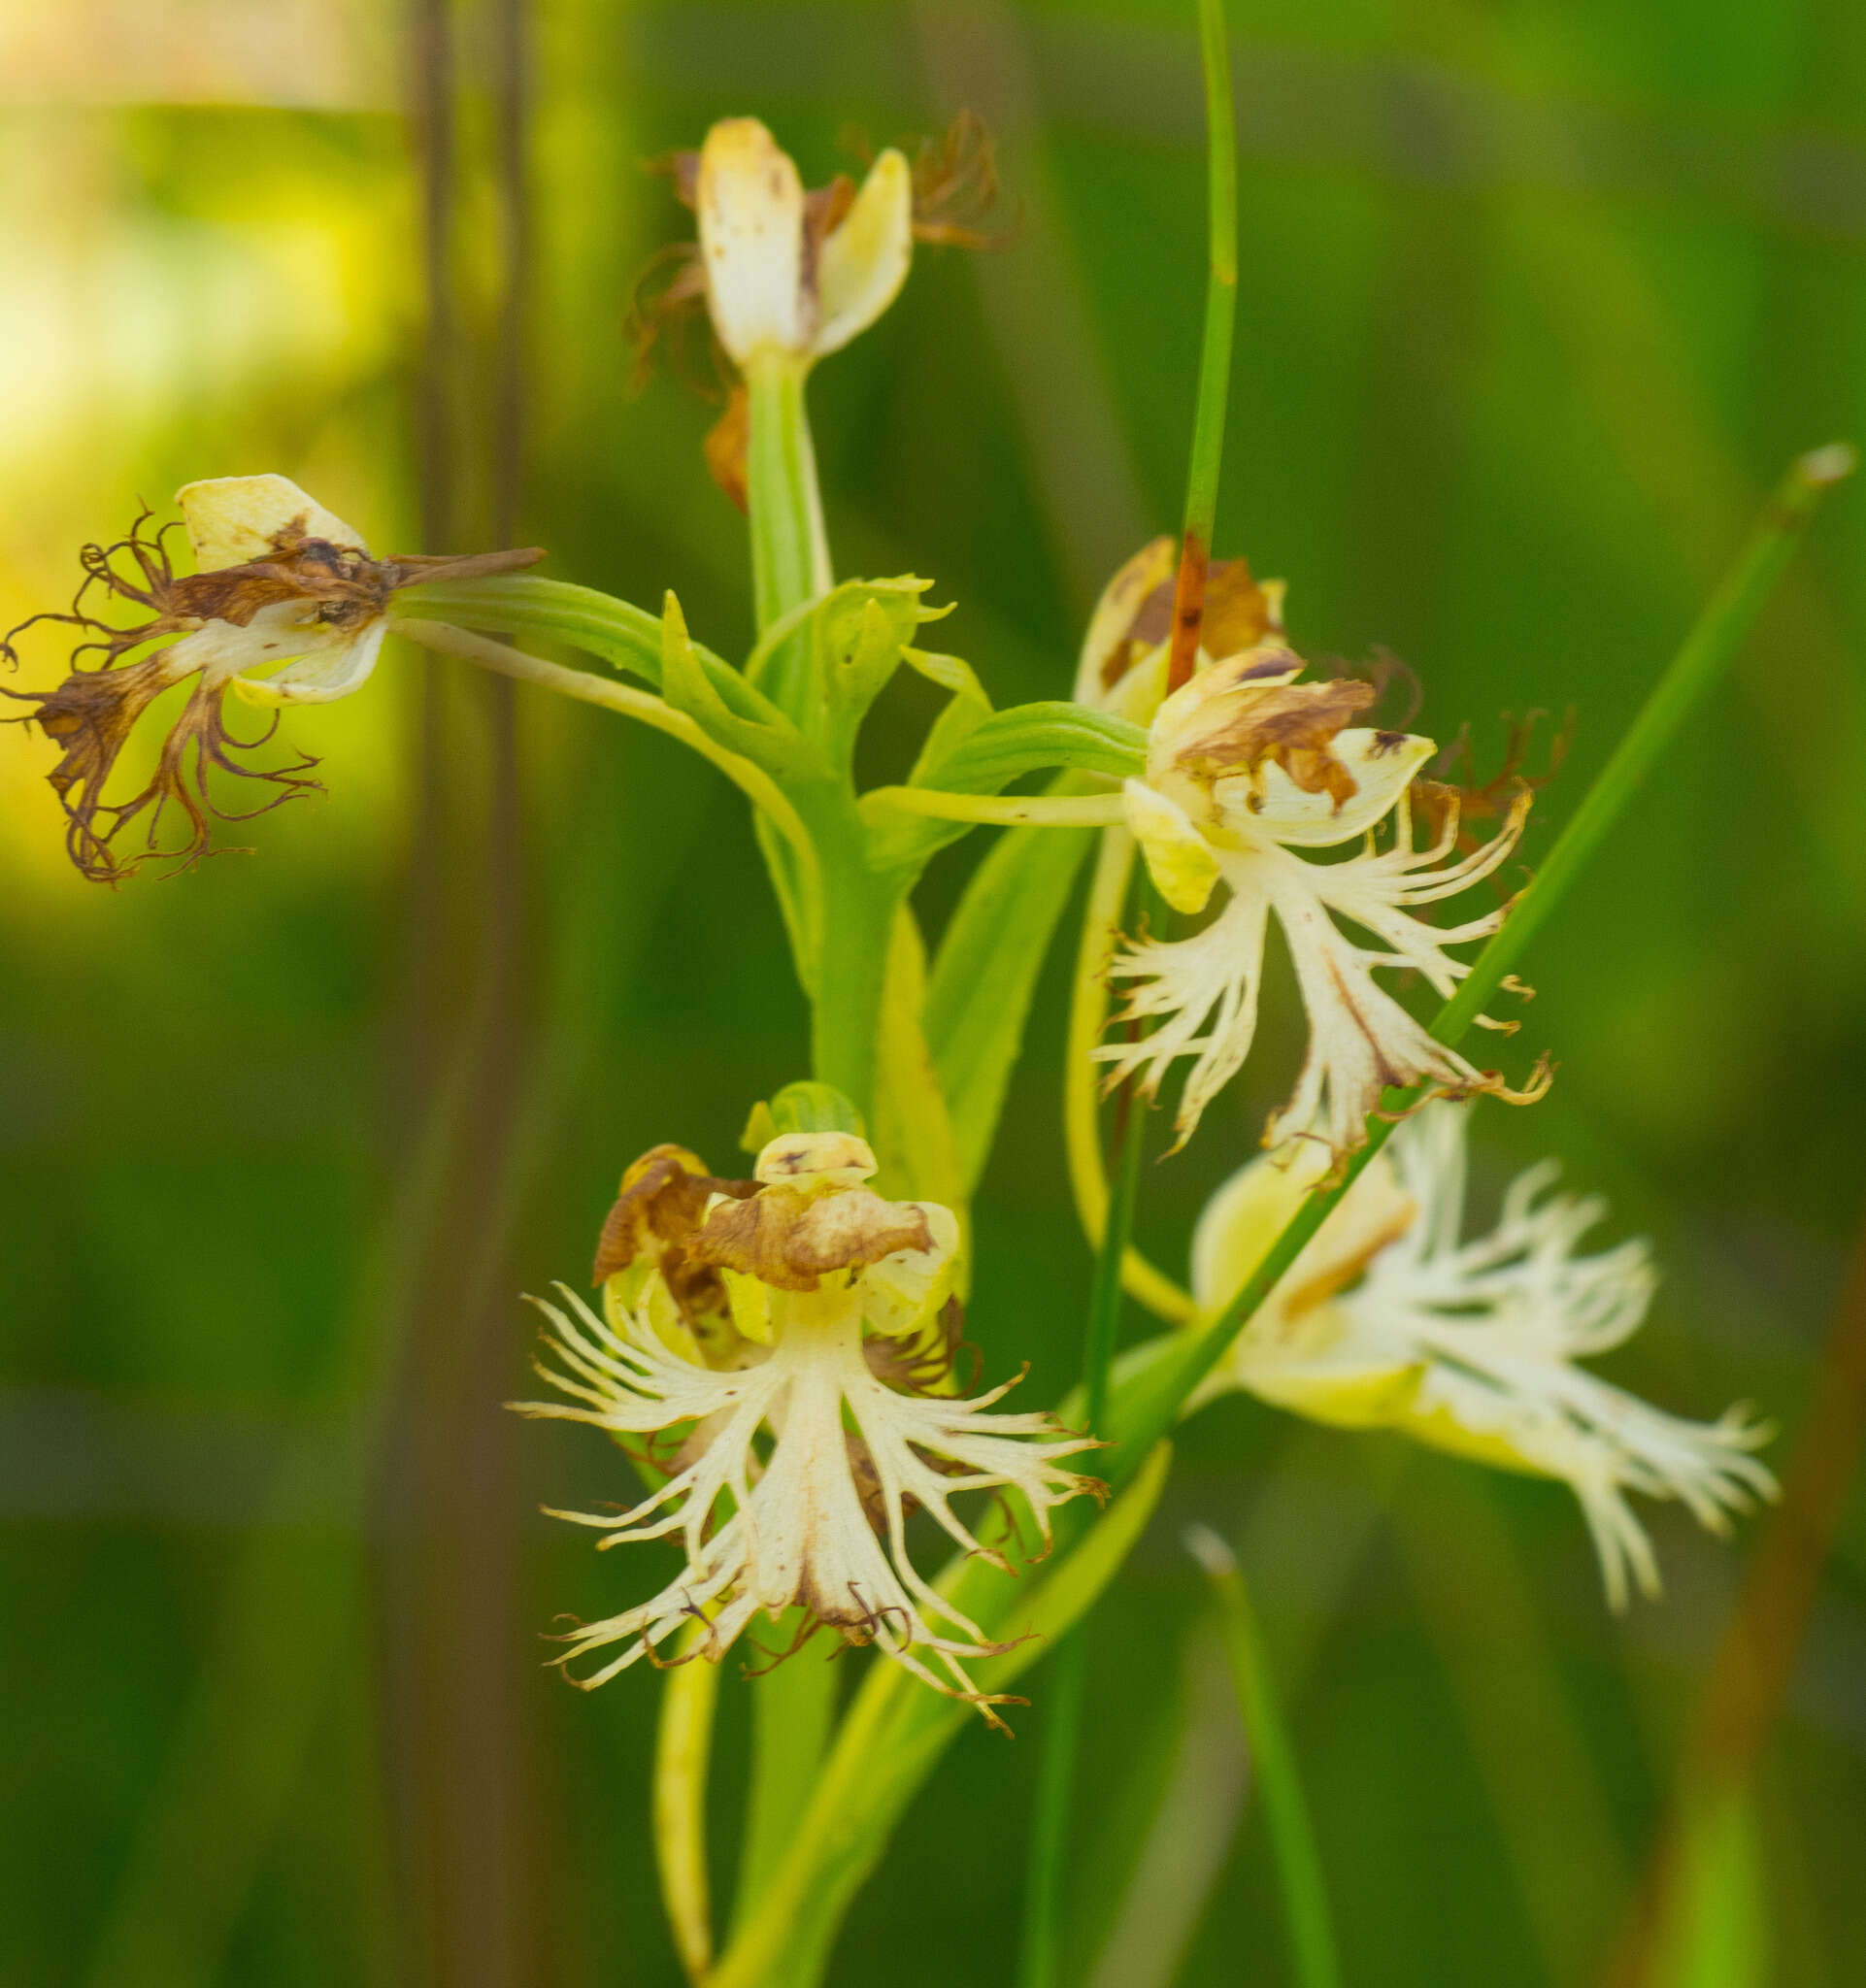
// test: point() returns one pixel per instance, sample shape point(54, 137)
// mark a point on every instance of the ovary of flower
point(789, 272)
point(1388, 1319)
point(1244, 767)
point(796, 1472)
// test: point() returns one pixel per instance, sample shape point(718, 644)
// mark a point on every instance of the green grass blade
point(1273, 1768)
point(978, 994)
point(1069, 1678)
point(1214, 355)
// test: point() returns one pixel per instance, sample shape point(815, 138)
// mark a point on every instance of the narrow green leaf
point(525, 606)
point(1273, 1762)
point(914, 1139)
point(978, 998)
point(1026, 738)
point(1049, 1830)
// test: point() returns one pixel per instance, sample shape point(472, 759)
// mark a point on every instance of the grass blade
point(1273, 1767)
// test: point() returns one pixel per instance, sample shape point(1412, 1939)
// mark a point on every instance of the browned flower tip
point(1293, 725)
point(309, 603)
point(789, 1242)
point(956, 186)
point(725, 446)
point(90, 715)
point(662, 1202)
point(1235, 612)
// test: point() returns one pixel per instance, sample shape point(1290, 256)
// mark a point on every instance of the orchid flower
point(1388, 1319)
point(791, 1336)
point(285, 605)
point(1247, 770)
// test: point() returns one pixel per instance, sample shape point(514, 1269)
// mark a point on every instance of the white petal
point(1487, 1330)
point(233, 520)
point(322, 674)
point(751, 205)
point(1179, 858)
point(864, 261)
point(1203, 992)
point(1381, 764)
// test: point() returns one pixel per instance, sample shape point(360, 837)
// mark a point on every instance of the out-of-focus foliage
point(1537, 300)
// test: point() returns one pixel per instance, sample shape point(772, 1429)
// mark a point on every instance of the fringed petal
point(1470, 1346)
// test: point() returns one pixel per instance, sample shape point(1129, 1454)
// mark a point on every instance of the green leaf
point(980, 995)
point(985, 757)
point(523, 606)
point(913, 1138)
point(730, 712)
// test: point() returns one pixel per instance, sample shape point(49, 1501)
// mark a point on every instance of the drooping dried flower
point(285, 607)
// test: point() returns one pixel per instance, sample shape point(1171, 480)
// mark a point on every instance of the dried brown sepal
point(657, 1214)
point(1387, 673)
point(790, 1242)
point(1236, 612)
point(666, 312)
point(1455, 770)
point(1292, 725)
point(956, 186)
point(725, 446)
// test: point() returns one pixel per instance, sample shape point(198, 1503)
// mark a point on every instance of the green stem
point(859, 907)
point(1273, 1767)
point(1214, 355)
point(683, 1749)
point(789, 549)
point(1144, 1411)
point(792, 1709)
point(1069, 1675)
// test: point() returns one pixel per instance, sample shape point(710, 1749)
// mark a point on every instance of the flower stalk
point(1214, 355)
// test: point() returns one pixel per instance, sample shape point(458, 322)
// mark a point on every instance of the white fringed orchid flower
point(794, 1469)
point(1247, 768)
point(285, 607)
point(789, 272)
point(1387, 1319)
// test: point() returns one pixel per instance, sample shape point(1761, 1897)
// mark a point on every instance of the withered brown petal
point(725, 446)
point(790, 1244)
point(663, 1197)
point(1238, 612)
point(1293, 724)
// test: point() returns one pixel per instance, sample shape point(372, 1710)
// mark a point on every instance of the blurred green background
point(1538, 297)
